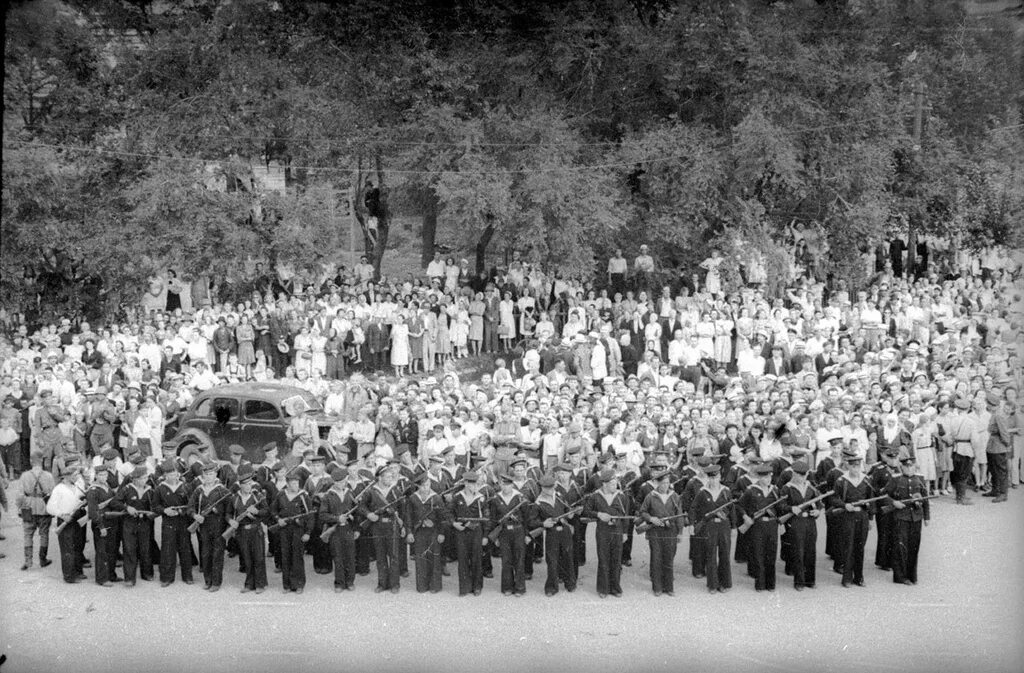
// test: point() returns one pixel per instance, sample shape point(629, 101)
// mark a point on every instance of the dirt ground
point(964, 615)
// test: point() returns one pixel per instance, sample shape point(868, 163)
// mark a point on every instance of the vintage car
point(248, 414)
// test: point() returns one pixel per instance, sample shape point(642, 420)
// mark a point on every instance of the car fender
point(189, 436)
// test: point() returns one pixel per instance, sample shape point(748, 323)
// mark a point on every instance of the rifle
point(496, 531)
point(710, 514)
point(194, 526)
point(249, 512)
point(745, 526)
point(74, 513)
point(142, 513)
point(890, 508)
point(858, 503)
point(288, 519)
point(789, 515)
point(325, 536)
point(613, 517)
point(645, 526)
point(367, 522)
point(558, 519)
point(176, 507)
point(472, 519)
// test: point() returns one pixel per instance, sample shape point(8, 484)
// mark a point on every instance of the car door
point(223, 423)
point(261, 422)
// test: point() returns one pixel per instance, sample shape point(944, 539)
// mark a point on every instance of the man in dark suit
point(491, 319)
point(826, 358)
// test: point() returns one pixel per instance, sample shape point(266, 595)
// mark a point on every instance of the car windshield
point(299, 403)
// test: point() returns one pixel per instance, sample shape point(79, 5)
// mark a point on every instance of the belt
point(249, 526)
point(963, 441)
point(383, 520)
point(767, 518)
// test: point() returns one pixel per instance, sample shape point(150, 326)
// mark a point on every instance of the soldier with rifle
point(103, 517)
point(662, 513)
point(553, 517)
point(711, 516)
point(852, 501)
point(758, 504)
point(508, 533)
point(65, 505)
point(470, 515)
point(208, 507)
point(610, 507)
point(248, 508)
point(629, 482)
point(907, 496)
point(801, 521)
point(427, 531)
point(170, 503)
point(383, 507)
point(880, 474)
point(293, 511)
point(136, 499)
point(337, 509)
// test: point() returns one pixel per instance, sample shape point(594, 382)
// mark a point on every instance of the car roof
point(266, 390)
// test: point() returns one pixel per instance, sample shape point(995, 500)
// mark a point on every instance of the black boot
point(43, 561)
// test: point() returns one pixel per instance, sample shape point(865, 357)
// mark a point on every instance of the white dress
point(400, 345)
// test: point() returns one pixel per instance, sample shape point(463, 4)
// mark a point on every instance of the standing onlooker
point(999, 446)
point(618, 268)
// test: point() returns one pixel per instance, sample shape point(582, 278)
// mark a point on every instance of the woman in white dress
point(400, 345)
point(506, 321)
point(713, 280)
point(318, 351)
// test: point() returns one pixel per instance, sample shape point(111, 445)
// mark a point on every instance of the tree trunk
point(481, 249)
point(428, 234)
point(373, 245)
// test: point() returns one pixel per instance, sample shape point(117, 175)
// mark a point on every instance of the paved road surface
point(966, 614)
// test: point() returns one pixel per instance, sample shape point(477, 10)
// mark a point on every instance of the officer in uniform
point(908, 518)
point(880, 475)
point(383, 506)
point(103, 514)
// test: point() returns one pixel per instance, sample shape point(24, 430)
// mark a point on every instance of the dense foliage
point(563, 129)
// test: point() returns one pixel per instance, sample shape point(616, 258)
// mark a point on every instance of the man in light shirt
point(618, 267)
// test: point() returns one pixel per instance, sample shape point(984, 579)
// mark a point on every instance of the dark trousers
point(252, 549)
point(386, 544)
point(343, 551)
point(785, 551)
point(855, 536)
point(833, 535)
point(558, 550)
point(803, 541)
point(609, 558)
point(175, 546)
point(717, 540)
point(490, 344)
point(469, 549)
point(885, 524)
point(428, 558)
point(663, 556)
point(293, 563)
point(999, 471)
point(696, 553)
point(627, 545)
point(104, 548)
point(70, 558)
point(962, 466)
point(211, 551)
point(138, 556)
point(512, 546)
point(579, 538)
point(764, 547)
point(905, 550)
point(80, 535)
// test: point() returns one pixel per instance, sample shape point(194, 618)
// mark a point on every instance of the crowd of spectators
point(620, 365)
